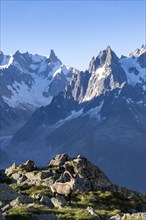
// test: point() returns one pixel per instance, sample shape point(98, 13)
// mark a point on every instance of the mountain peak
point(106, 56)
point(53, 58)
point(108, 49)
point(138, 51)
point(17, 52)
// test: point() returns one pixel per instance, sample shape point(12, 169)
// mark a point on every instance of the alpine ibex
point(66, 189)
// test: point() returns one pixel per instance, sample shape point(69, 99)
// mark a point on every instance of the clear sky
point(75, 30)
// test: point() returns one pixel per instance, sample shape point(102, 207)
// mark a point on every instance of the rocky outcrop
point(11, 169)
point(28, 166)
point(134, 216)
point(59, 160)
point(93, 191)
point(88, 176)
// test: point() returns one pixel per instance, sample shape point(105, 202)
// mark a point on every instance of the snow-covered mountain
point(29, 81)
point(100, 114)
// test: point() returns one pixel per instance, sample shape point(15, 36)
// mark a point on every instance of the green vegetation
point(31, 190)
point(105, 203)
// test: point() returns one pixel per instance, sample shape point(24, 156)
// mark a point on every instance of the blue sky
point(75, 30)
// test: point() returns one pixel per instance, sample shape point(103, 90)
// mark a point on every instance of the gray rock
point(37, 196)
point(11, 169)
point(6, 207)
point(16, 176)
point(36, 177)
point(21, 179)
point(28, 166)
point(92, 212)
point(31, 208)
point(46, 201)
point(48, 181)
point(115, 217)
point(59, 202)
point(7, 194)
point(128, 216)
point(21, 200)
point(88, 176)
point(59, 160)
point(24, 185)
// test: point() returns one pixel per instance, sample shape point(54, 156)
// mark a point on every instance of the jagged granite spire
point(104, 57)
point(106, 74)
point(53, 58)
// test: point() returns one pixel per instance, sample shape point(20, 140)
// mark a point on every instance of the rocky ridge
point(25, 192)
point(27, 82)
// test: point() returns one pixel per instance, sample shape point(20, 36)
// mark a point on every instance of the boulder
point(11, 169)
point(7, 194)
point(48, 181)
point(24, 185)
point(21, 179)
point(37, 196)
point(127, 216)
point(31, 208)
point(31, 175)
point(92, 212)
point(16, 176)
point(23, 199)
point(36, 177)
point(59, 202)
point(44, 174)
point(6, 208)
point(115, 217)
point(46, 201)
point(28, 166)
point(59, 160)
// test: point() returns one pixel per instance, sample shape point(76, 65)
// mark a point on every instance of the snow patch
point(132, 78)
point(102, 72)
point(24, 97)
point(74, 114)
point(7, 61)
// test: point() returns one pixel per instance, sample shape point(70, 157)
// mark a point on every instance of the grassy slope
point(105, 203)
